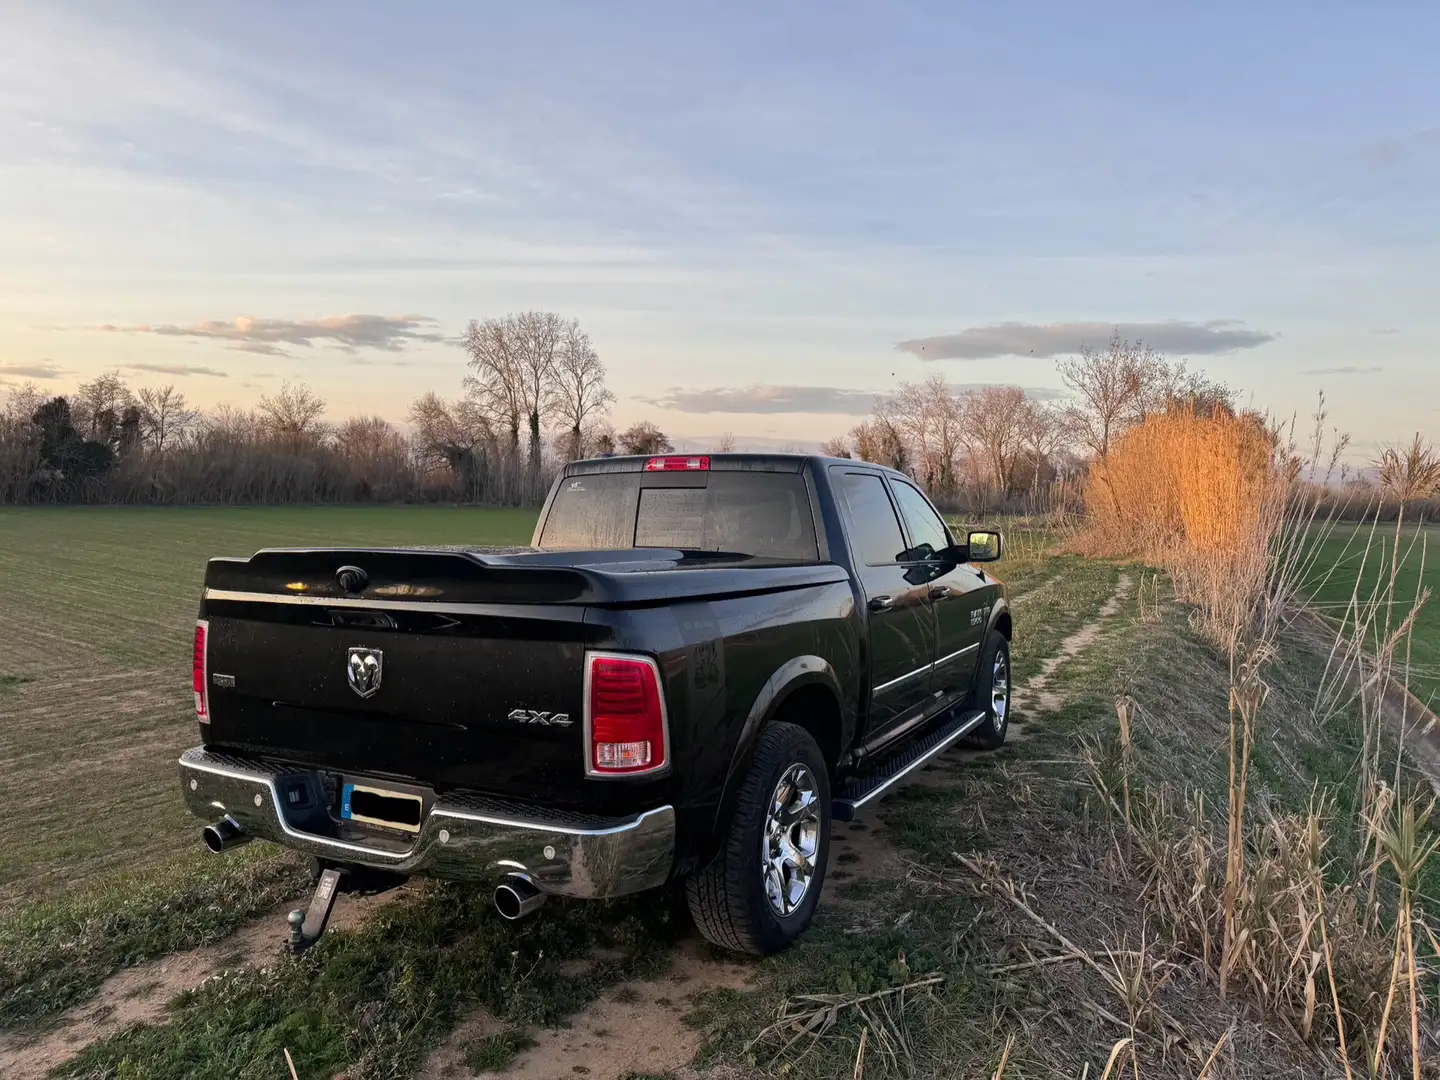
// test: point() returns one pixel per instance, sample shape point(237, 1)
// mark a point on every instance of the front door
point(960, 610)
point(900, 615)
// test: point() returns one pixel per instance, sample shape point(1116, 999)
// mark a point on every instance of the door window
point(927, 531)
point(873, 524)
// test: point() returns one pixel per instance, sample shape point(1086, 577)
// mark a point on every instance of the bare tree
point(1180, 389)
point(539, 334)
point(164, 416)
point(367, 437)
point(22, 403)
point(1114, 391)
point(725, 444)
point(228, 424)
point(97, 405)
point(497, 380)
point(993, 421)
point(577, 391)
point(447, 433)
point(644, 438)
point(876, 440)
point(1042, 435)
point(514, 370)
point(885, 433)
point(927, 415)
point(292, 414)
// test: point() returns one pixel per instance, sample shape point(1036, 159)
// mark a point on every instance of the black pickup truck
point(697, 665)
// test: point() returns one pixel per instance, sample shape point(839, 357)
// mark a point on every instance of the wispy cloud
point(41, 370)
point(818, 400)
point(1061, 339)
point(1343, 369)
point(266, 336)
point(768, 399)
point(1393, 149)
point(1384, 331)
point(178, 369)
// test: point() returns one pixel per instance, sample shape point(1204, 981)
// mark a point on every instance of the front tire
point(993, 683)
point(760, 891)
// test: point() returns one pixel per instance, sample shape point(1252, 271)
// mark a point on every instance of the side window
point(927, 531)
point(872, 518)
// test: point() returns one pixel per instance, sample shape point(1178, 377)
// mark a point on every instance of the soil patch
point(635, 1026)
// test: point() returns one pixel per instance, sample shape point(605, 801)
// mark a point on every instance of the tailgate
point(449, 689)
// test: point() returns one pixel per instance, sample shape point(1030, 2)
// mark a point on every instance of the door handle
point(939, 592)
point(881, 603)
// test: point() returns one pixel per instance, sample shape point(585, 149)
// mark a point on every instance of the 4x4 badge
point(545, 719)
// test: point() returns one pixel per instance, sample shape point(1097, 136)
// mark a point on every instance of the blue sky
point(747, 205)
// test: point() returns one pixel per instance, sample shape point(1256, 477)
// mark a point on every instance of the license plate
point(380, 806)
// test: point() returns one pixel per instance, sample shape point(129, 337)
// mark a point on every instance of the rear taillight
point(199, 664)
point(677, 464)
point(626, 731)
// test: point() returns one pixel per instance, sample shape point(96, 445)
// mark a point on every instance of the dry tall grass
point(1202, 496)
point(1333, 949)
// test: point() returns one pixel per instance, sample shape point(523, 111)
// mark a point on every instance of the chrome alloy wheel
point(1000, 690)
point(791, 840)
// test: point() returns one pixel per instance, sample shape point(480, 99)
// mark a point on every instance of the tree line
point(531, 373)
point(1001, 447)
point(534, 396)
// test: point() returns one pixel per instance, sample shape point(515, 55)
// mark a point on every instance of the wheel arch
point(804, 690)
point(1000, 619)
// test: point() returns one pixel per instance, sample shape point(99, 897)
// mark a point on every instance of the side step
point(867, 787)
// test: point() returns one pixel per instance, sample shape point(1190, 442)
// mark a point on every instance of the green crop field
point(99, 603)
point(1351, 555)
point(94, 679)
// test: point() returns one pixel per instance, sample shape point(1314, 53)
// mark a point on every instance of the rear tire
point(760, 891)
point(993, 683)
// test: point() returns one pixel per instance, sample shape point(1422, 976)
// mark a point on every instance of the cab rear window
point(759, 514)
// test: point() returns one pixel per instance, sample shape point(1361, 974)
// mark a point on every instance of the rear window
point(764, 515)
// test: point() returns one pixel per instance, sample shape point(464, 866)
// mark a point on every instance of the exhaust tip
point(517, 897)
point(224, 834)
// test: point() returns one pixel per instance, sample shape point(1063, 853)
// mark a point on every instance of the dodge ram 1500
point(697, 665)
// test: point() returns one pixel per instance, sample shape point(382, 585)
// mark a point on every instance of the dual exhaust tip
point(515, 897)
point(224, 835)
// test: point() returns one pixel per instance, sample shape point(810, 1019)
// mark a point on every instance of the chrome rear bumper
point(466, 839)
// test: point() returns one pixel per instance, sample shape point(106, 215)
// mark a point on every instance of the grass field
point(1353, 552)
point(94, 676)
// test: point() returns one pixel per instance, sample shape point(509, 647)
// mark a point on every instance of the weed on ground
point(374, 1000)
point(57, 952)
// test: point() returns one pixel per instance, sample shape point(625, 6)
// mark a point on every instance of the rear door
point(953, 589)
point(901, 618)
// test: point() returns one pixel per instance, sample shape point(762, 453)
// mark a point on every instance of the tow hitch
point(307, 924)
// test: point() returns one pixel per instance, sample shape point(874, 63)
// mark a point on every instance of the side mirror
point(985, 546)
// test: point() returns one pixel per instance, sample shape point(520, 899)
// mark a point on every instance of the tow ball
point(308, 924)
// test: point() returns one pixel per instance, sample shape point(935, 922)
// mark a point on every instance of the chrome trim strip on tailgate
point(613, 859)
